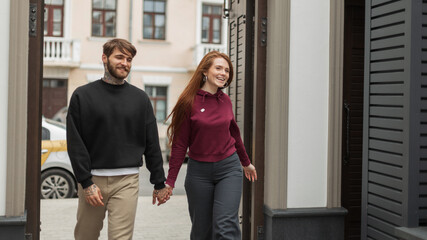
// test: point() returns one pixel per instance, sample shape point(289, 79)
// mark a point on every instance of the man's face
point(118, 64)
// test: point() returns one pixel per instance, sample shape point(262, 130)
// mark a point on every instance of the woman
point(203, 121)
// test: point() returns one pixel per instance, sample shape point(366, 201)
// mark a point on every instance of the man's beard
point(113, 72)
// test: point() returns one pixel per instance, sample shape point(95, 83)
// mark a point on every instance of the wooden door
point(353, 116)
point(54, 96)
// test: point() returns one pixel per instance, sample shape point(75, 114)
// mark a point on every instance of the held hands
point(93, 195)
point(162, 195)
point(250, 172)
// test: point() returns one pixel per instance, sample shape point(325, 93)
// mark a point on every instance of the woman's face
point(217, 74)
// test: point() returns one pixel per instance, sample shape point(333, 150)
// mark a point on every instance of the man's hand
point(93, 195)
point(162, 195)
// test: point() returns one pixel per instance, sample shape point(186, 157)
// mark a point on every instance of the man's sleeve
point(153, 154)
point(79, 156)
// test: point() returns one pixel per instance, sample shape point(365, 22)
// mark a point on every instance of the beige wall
point(171, 57)
point(175, 51)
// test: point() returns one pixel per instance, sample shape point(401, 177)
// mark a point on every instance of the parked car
point(57, 178)
point(61, 115)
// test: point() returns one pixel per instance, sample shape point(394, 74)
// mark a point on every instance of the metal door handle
point(347, 140)
point(226, 10)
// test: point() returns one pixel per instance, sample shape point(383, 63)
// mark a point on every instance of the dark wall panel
point(423, 121)
point(395, 125)
point(384, 149)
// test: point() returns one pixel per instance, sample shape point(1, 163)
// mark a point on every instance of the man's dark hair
point(121, 44)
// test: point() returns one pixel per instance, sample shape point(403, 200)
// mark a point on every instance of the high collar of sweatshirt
point(218, 95)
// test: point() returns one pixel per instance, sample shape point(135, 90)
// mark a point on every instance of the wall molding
point(100, 67)
point(336, 53)
point(156, 80)
point(17, 109)
point(276, 122)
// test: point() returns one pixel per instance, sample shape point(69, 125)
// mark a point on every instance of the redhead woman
point(203, 122)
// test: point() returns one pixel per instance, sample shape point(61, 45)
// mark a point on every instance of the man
point(110, 125)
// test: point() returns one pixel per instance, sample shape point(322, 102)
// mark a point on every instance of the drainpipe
point(130, 31)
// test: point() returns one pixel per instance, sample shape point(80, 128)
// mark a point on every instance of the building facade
point(171, 37)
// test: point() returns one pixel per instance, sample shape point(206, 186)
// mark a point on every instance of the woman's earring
point(205, 78)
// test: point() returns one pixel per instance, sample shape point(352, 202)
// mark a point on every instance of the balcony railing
point(61, 51)
point(201, 50)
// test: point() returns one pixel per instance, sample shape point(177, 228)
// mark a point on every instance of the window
point(104, 18)
point(45, 134)
point(53, 18)
point(158, 97)
point(211, 23)
point(154, 22)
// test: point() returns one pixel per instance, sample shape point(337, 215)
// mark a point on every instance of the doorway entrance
point(54, 96)
point(354, 29)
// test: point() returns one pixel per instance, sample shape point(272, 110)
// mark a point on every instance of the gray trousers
point(213, 193)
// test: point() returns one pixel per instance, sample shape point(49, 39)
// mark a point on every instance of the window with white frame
point(158, 98)
point(211, 23)
point(53, 18)
point(154, 21)
point(104, 18)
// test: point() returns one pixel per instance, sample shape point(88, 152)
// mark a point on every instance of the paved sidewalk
point(168, 221)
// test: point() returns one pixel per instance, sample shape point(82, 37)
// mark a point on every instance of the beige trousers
point(120, 195)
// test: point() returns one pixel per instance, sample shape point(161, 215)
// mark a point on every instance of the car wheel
point(57, 184)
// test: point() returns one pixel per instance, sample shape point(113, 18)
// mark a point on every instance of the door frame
point(258, 129)
point(336, 50)
point(34, 107)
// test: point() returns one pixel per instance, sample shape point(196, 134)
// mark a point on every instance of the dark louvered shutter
point(423, 121)
point(240, 48)
point(394, 150)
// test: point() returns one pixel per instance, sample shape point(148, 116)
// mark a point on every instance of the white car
point(57, 178)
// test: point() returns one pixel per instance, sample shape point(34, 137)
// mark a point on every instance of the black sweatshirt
point(112, 126)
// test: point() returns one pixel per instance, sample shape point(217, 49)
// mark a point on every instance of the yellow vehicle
point(57, 178)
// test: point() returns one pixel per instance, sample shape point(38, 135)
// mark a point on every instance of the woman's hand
point(162, 195)
point(250, 172)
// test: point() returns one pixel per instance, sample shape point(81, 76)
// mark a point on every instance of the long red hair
point(185, 101)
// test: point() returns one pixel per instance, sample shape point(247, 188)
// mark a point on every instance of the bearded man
point(110, 126)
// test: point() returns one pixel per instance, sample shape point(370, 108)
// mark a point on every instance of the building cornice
point(139, 68)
